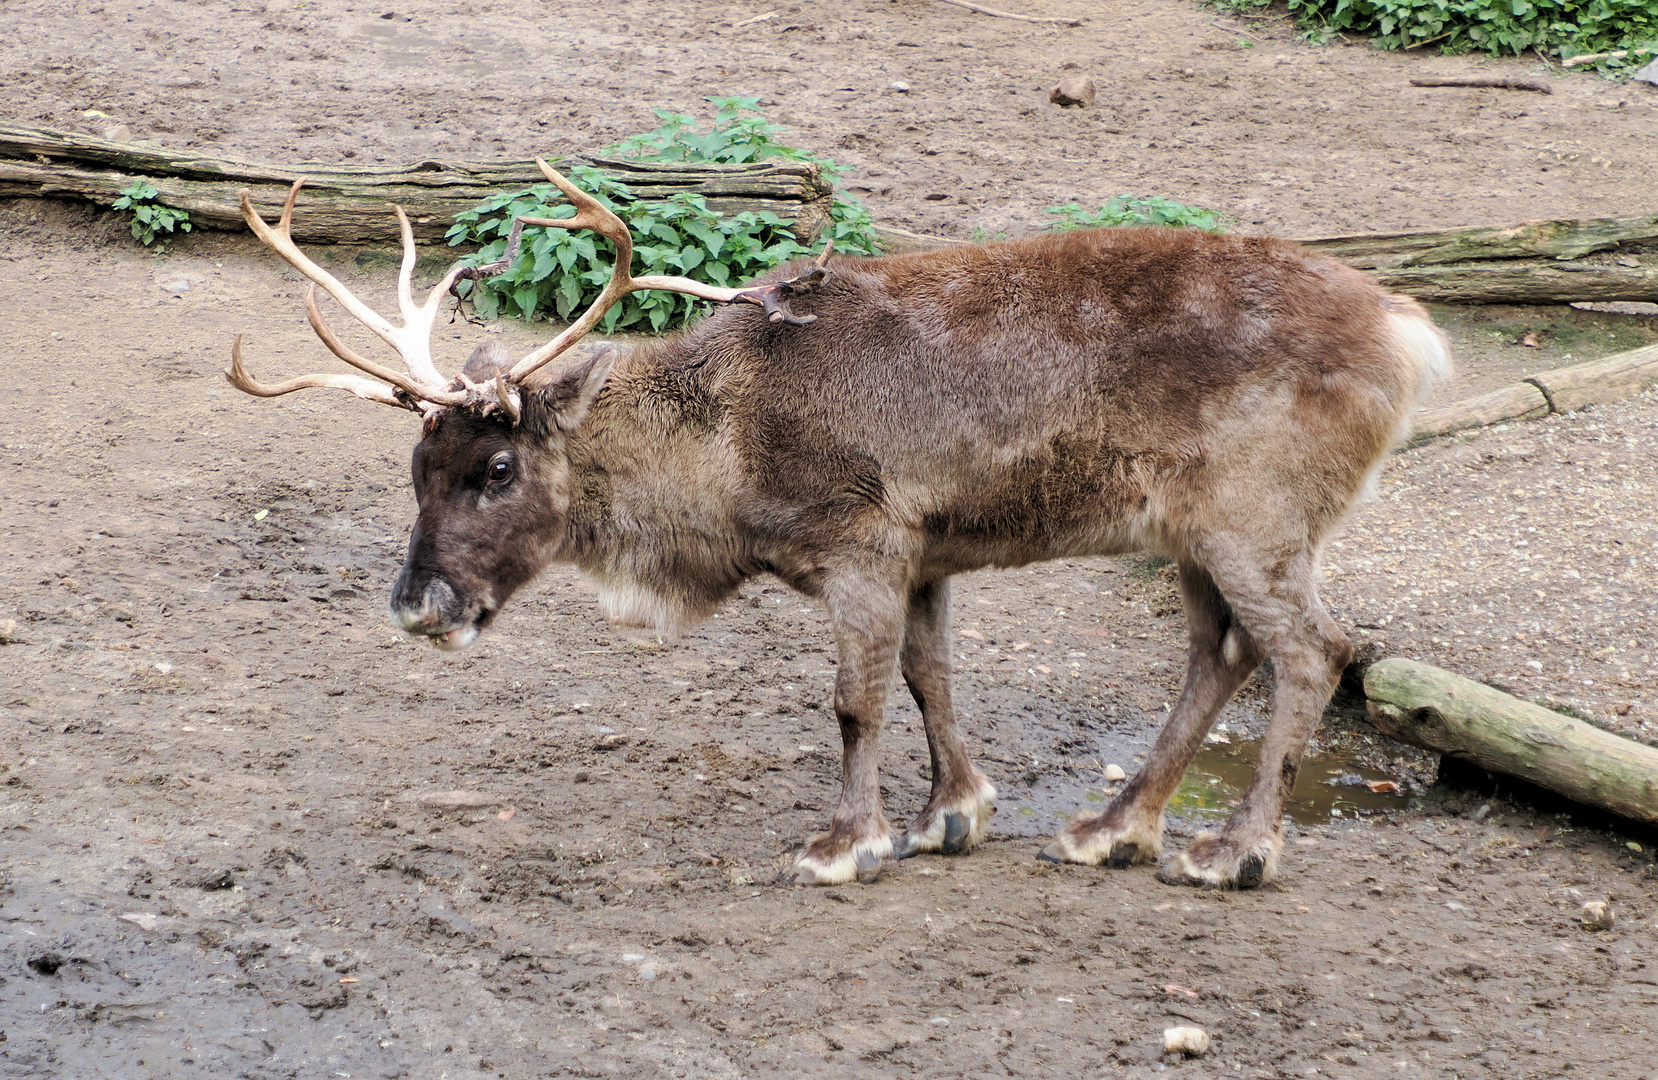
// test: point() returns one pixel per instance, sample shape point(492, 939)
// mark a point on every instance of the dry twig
point(1479, 81)
point(1008, 14)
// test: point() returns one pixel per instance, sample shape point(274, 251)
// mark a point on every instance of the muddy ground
point(232, 839)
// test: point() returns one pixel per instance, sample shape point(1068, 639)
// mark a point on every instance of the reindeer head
point(490, 474)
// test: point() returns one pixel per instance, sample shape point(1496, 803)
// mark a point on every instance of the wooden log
point(1425, 706)
point(1532, 262)
point(1518, 401)
point(1428, 247)
point(1610, 379)
point(1524, 281)
point(351, 203)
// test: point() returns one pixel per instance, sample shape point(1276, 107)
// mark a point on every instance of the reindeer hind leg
point(1220, 657)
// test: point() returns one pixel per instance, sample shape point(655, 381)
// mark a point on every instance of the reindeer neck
point(652, 512)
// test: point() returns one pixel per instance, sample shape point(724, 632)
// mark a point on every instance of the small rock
point(177, 288)
point(214, 880)
point(8, 631)
point(647, 972)
point(142, 919)
point(1075, 92)
point(1191, 1041)
point(118, 133)
point(1648, 74)
point(1114, 773)
point(1598, 915)
point(901, 86)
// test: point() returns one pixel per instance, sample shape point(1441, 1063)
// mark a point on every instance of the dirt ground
point(249, 830)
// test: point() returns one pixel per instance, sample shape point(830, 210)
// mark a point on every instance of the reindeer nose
point(431, 610)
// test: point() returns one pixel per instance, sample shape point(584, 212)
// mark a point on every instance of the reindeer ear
point(486, 362)
point(570, 395)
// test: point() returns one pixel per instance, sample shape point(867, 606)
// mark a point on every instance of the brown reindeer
point(1222, 401)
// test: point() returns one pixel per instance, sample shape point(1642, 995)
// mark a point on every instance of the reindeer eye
point(500, 470)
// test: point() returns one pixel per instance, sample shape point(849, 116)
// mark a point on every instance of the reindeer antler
point(412, 340)
point(591, 214)
point(424, 389)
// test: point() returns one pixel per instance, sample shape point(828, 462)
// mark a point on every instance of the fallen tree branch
point(1566, 389)
point(1485, 82)
point(1532, 262)
point(1589, 58)
point(349, 203)
point(992, 12)
point(1425, 706)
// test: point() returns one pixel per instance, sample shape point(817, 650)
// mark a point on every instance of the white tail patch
point(1418, 339)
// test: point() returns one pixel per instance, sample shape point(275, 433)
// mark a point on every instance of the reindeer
point(881, 425)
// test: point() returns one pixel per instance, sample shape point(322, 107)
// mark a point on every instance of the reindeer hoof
point(951, 831)
point(1123, 853)
point(1215, 863)
point(857, 862)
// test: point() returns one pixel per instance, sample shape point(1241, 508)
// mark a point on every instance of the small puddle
point(1216, 781)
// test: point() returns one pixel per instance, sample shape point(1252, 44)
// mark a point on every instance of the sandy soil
point(232, 840)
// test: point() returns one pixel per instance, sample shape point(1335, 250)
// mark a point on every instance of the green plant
point(148, 216)
point(1500, 27)
point(560, 272)
point(734, 139)
point(1125, 210)
point(564, 271)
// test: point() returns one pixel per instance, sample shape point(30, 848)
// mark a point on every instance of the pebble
point(901, 86)
point(1191, 1041)
point(177, 288)
point(1114, 773)
point(1598, 915)
point(1074, 92)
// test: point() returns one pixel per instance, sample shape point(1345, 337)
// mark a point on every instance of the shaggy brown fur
point(1222, 401)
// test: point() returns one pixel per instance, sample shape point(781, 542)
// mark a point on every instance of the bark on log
point(1519, 401)
point(352, 203)
point(1534, 262)
point(1566, 389)
point(1611, 379)
point(1425, 706)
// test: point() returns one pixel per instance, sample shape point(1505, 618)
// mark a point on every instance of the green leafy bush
point(1128, 210)
point(735, 138)
point(559, 272)
point(1500, 27)
point(148, 216)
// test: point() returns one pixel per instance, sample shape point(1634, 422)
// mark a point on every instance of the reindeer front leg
point(868, 619)
point(963, 799)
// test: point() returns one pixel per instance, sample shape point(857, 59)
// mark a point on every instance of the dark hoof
point(1170, 874)
point(1251, 872)
point(1052, 853)
point(905, 846)
point(1123, 854)
point(869, 866)
point(956, 830)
